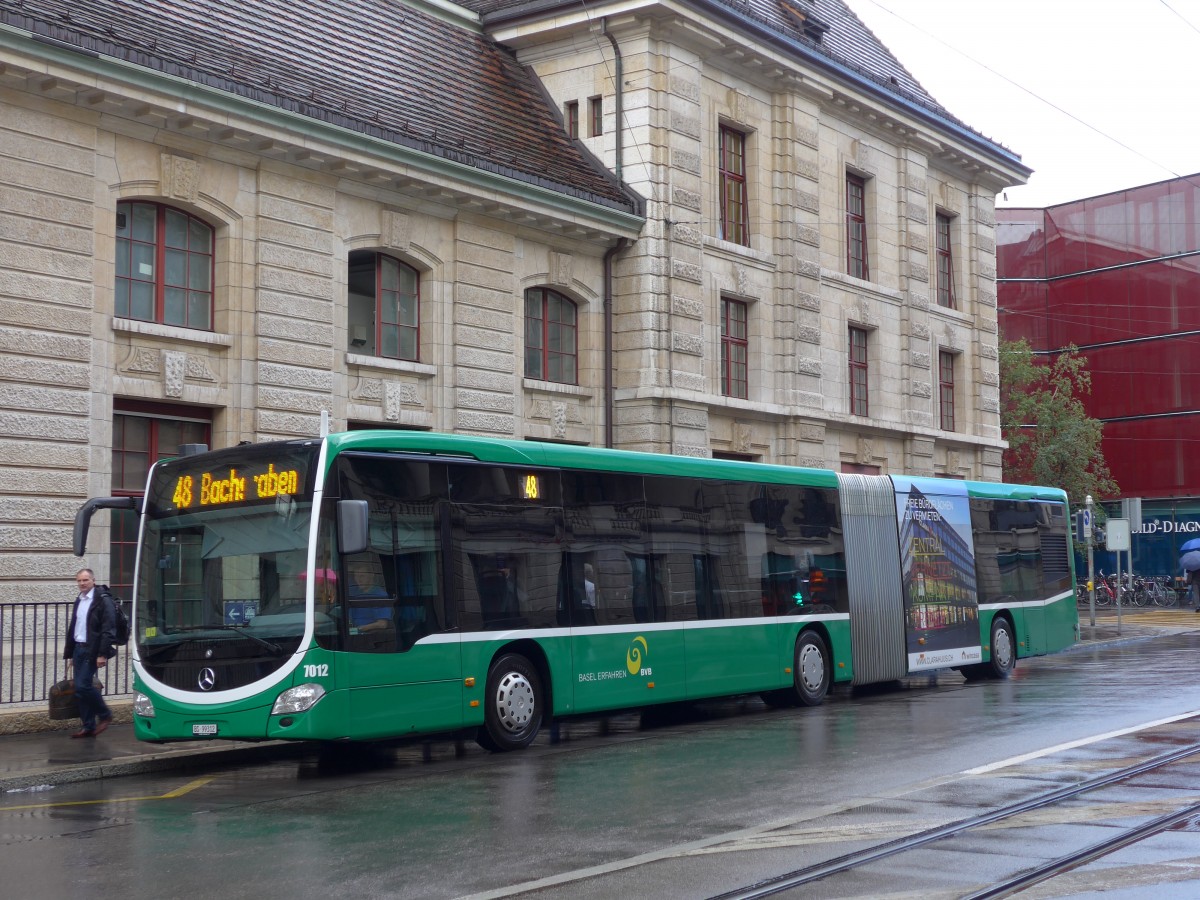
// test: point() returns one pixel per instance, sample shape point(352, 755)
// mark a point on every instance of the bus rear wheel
point(1004, 649)
point(813, 670)
point(513, 705)
point(1004, 654)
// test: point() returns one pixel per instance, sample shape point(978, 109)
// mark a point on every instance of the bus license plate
point(204, 730)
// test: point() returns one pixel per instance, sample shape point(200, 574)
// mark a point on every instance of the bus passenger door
point(404, 668)
point(400, 653)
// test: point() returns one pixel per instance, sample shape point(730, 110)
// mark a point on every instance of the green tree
point(1051, 438)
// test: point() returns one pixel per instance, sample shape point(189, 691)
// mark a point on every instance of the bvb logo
point(633, 657)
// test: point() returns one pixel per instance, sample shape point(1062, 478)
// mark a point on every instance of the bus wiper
point(241, 629)
point(152, 653)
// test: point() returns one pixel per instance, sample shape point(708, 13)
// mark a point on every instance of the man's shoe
point(84, 732)
point(102, 724)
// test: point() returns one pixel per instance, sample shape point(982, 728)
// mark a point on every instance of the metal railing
point(31, 645)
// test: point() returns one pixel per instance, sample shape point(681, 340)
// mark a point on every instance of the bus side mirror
point(352, 526)
point(83, 518)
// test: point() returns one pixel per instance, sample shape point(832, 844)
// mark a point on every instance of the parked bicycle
point(1139, 591)
point(1105, 592)
point(1161, 590)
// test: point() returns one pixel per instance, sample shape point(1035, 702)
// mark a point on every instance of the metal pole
point(1120, 590)
point(1091, 567)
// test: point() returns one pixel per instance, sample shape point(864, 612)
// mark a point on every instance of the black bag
point(121, 631)
point(63, 702)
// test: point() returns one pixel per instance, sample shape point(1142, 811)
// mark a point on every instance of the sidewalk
point(36, 758)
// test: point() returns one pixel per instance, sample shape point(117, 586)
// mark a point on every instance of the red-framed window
point(732, 180)
point(164, 266)
point(945, 263)
point(860, 469)
point(946, 390)
point(858, 372)
point(144, 433)
point(596, 115)
point(735, 349)
point(551, 337)
point(856, 227)
point(384, 306)
point(571, 117)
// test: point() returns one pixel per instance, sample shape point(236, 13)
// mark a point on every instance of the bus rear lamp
point(143, 706)
point(297, 699)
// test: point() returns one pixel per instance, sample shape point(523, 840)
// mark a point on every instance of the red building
point(1119, 277)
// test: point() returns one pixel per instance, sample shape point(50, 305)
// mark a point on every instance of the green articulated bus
point(376, 584)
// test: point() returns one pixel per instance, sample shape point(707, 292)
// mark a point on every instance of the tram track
point(851, 862)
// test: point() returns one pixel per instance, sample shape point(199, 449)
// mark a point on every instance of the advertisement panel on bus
point(938, 573)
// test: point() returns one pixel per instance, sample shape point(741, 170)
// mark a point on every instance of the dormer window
point(803, 16)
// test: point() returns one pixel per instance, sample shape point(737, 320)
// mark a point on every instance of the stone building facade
point(775, 75)
point(474, 190)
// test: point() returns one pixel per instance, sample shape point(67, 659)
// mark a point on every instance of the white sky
point(1120, 73)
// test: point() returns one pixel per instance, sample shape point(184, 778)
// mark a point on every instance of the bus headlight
point(297, 699)
point(143, 706)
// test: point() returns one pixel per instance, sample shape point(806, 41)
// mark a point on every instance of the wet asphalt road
point(686, 803)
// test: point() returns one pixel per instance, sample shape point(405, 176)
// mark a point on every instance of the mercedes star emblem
point(207, 679)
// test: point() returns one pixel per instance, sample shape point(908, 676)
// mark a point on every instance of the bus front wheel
point(813, 669)
point(513, 705)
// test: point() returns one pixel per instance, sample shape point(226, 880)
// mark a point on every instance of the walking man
point(1189, 561)
point(89, 646)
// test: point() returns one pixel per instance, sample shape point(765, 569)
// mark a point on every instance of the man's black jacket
point(101, 625)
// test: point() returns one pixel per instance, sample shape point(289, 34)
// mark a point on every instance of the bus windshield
point(223, 558)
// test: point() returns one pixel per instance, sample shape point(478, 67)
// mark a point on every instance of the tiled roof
point(848, 43)
point(373, 66)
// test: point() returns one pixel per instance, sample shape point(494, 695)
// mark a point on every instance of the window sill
point(172, 332)
point(362, 361)
point(832, 275)
point(742, 251)
point(949, 312)
point(554, 387)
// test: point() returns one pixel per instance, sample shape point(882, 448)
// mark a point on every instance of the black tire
point(1004, 649)
point(813, 669)
point(781, 699)
point(513, 705)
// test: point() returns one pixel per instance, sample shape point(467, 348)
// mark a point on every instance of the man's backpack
point(121, 632)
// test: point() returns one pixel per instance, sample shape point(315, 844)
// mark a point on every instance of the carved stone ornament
point(395, 395)
point(397, 230)
point(174, 373)
point(180, 177)
point(740, 437)
point(560, 268)
point(864, 451)
point(142, 360)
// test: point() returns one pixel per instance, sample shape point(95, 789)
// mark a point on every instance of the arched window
point(164, 266)
point(551, 332)
point(384, 302)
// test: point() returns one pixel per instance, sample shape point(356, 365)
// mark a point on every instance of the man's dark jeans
point(91, 701)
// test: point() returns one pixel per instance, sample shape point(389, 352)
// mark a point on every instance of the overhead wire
point(1038, 96)
point(1180, 16)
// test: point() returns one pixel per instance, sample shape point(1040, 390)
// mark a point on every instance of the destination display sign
point(232, 478)
point(216, 488)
